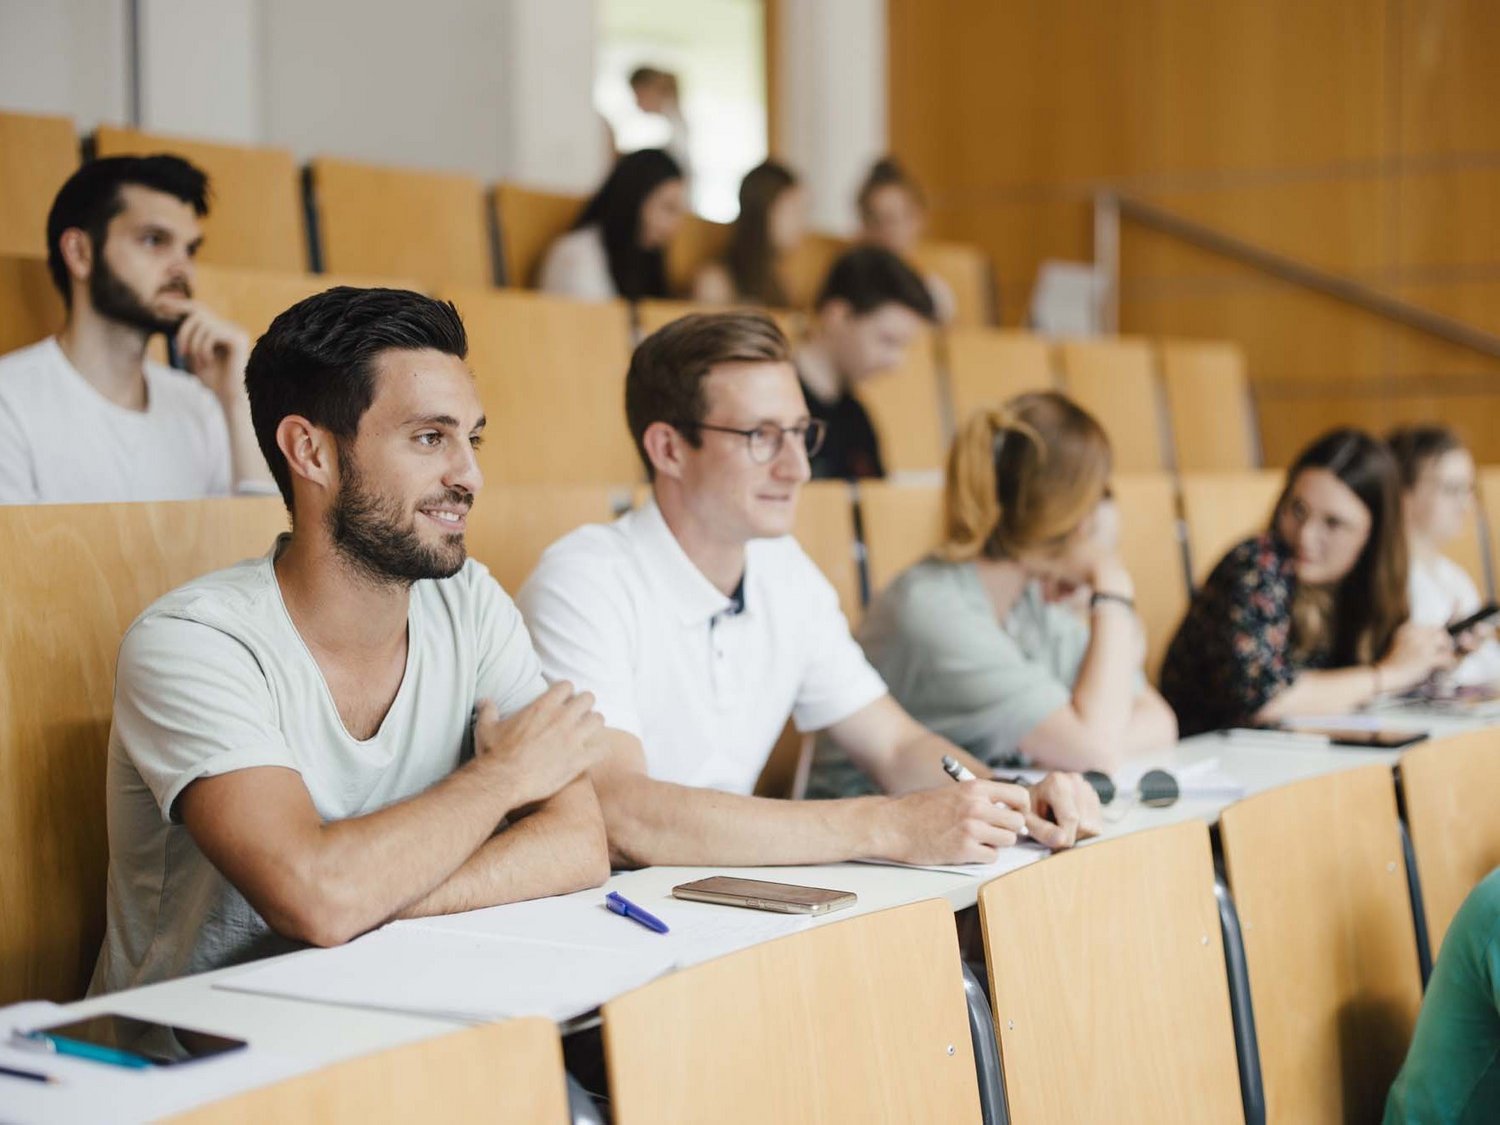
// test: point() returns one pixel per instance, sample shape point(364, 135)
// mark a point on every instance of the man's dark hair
point(644, 74)
point(318, 360)
point(91, 198)
point(868, 277)
point(665, 380)
point(1416, 447)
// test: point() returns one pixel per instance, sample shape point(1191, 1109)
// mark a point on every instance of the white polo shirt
point(621, 611)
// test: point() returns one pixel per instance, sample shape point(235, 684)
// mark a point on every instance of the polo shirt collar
point(678, 579)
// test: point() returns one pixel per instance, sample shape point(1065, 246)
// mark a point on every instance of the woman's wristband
point(1102, 597)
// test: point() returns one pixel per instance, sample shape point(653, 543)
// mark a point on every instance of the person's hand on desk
point(964, 823)
point(1416, 652)
point(543, 746)
point(1064, 810)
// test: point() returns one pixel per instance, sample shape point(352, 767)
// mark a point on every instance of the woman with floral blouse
point(1309, 617)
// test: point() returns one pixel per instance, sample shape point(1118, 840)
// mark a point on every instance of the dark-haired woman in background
point(773, 219)
point(1310, 616)
point(893, 216)
point(616, 247)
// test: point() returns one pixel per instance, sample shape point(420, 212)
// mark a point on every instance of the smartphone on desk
point(1479, 617)
point(758, 894)
point(1366, 739)
point(126, 1041)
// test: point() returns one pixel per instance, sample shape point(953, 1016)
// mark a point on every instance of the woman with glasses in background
point(1437, 479)
point(981, 642)
point(1310, 616)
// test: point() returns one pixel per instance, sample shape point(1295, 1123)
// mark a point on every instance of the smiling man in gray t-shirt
point(353, 728)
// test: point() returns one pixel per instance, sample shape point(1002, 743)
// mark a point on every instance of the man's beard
point(375, 536)
point(114, 300)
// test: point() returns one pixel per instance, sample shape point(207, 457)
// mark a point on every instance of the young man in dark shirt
point(871, 308)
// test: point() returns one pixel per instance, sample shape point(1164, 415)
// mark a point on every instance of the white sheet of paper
point(697, 931)
point(91, 1091)
point(459, 976)
point(1008, 860)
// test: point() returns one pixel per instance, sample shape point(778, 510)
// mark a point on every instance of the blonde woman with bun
point(975, 640)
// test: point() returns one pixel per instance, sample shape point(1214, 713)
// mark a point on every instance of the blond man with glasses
point(699, 625)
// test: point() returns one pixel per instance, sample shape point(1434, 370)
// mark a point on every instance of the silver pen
point(960, 772)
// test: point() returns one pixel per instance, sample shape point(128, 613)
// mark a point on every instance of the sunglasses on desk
point(1157, 789)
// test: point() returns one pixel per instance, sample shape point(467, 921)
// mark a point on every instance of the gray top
point(983, 684)
point(214, 678)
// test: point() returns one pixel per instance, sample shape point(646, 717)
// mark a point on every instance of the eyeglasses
point(766, 440)
point(1157, 788)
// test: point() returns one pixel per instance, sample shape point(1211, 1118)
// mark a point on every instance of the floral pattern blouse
point(1233, 651)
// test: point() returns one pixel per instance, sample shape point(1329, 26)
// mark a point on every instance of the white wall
point(498, 88)
point(64, 57)
point(201, 68)
point(833, 76)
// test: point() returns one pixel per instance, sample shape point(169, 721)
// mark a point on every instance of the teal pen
point(80, 1050)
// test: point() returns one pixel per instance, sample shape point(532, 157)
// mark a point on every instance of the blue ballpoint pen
point(627, 909)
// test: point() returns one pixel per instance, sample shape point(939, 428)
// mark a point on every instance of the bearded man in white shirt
point(84, 415)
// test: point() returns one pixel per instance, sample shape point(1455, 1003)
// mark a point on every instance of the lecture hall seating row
point(346, 217)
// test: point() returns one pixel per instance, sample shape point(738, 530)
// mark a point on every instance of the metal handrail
point(1299, 273)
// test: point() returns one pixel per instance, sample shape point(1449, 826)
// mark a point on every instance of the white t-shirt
point(577, 265)
point(621, 611)
point(214, 678)
point(1441, 592)
point(62, 442)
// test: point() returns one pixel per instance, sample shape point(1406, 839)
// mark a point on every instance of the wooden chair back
point(398, 222)
point(1152, 550)
point(902, 524)
point(511, 1071)
point(966, 270)
point(1208, 397)
point(905, 407)
point(653, 314)
point(256, 218)
point(1318, 877)
point(1106, 1011)
point(858, 1020)
point(1115, 381)
point(30, 307)
point(38, 152)
point(75, 577)
point(698, 242)
point(1451, 788)
point(529, 221)
point(1221, 509)
point(551, 375)
point(988, 366)
point(511, 525)
point(805, 268)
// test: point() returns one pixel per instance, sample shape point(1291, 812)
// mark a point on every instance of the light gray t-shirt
point(982, 684)
point(62, 442)
point(214, 678)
